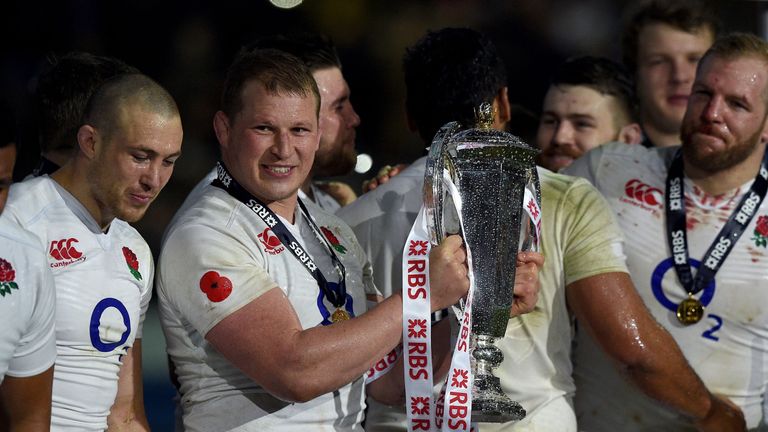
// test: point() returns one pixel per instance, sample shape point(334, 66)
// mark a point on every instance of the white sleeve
point(36, 351)
point(209, 274)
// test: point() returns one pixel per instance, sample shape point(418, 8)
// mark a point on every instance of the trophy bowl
point(491, 173)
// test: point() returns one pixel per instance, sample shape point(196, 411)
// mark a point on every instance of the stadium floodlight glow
point(286, 4)
point(364, 163)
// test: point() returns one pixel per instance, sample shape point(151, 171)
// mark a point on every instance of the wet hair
point(689, 16)
point(602, 75)
point(123, 91)
point(735, 45)
point(448, 73)
point(315, 50)
point(278, 71)
point(63, 90)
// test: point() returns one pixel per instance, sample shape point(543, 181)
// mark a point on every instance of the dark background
point(187, 45)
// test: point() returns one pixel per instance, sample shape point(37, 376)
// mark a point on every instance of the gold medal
point(690, 311)
point(339, 315)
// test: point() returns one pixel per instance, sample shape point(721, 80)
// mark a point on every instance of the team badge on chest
point(7, 278)
point(333, 240)
point(760, 236)
point(132, 261)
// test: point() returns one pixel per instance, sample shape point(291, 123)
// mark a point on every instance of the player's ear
point(631, 134)
point(87, 140)
point(222, 128)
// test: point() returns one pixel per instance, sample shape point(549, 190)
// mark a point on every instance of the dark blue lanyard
point(725, 240)
point(337, 297)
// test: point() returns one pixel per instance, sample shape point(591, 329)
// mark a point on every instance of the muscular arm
point(127, 413)
point(265, 339)
point(25, 403)
point(610, 309)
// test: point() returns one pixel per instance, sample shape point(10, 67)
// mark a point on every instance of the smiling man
point(336, 154)
point(263, 296)
point(103, 269)
point(590, 102)
point(661, 45)
point(694, 219)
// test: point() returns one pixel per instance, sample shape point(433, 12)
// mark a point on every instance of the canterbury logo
point(272, 244)
point(64, 250)
point(644, 194)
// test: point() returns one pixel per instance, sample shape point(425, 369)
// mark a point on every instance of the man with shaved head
point(103, 269)
point(63, 89)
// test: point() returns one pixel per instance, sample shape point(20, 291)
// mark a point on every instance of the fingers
point(448, 272)
point(382, 177)
point(530, 257)
point(340, 191)
point(526, 289)
point(369, 185)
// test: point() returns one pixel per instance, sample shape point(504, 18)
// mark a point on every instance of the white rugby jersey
point(103, 287)
point(322, 199)
point(579, 239)
point(27, 342)
point(728, 348)
point(219, 256)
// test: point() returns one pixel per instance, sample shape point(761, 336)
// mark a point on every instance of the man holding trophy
point(264, 298)
point(448, 73)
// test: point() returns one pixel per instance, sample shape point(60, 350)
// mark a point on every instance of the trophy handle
point(433, 181)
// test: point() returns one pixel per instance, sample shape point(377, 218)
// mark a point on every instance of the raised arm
point(610, 309)
point(266, 341)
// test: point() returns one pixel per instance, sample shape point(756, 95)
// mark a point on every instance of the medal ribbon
point(417, 331)
point(225, 181)
point(423, 412)
point(381, 367)
point(531, 206)
point(457, 401)
point(727, 237)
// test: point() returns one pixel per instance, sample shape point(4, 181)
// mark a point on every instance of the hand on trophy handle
point(723, 416)
point(448, 281)
point(526, 282)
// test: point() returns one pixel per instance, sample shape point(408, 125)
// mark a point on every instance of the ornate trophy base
point(489, 403)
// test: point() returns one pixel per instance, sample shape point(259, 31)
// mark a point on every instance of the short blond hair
point(738, 45)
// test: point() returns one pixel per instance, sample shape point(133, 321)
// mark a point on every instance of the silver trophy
point(491, 171)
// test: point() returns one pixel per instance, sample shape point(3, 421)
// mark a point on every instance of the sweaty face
point(7, 160)
point(574, 119)
point(270, 144)
point(131, 168)
point(726, 114)
point(666, 67)
point(338, 120)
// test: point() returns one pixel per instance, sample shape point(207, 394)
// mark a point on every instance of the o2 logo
point(96, 315)
point(706, 295)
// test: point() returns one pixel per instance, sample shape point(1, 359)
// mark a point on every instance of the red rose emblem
point(333, 240)
point(762, 226)
point(130, 258)
point(7, 273)
point(215, 286)
point(132, 261)
point(7, 278)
